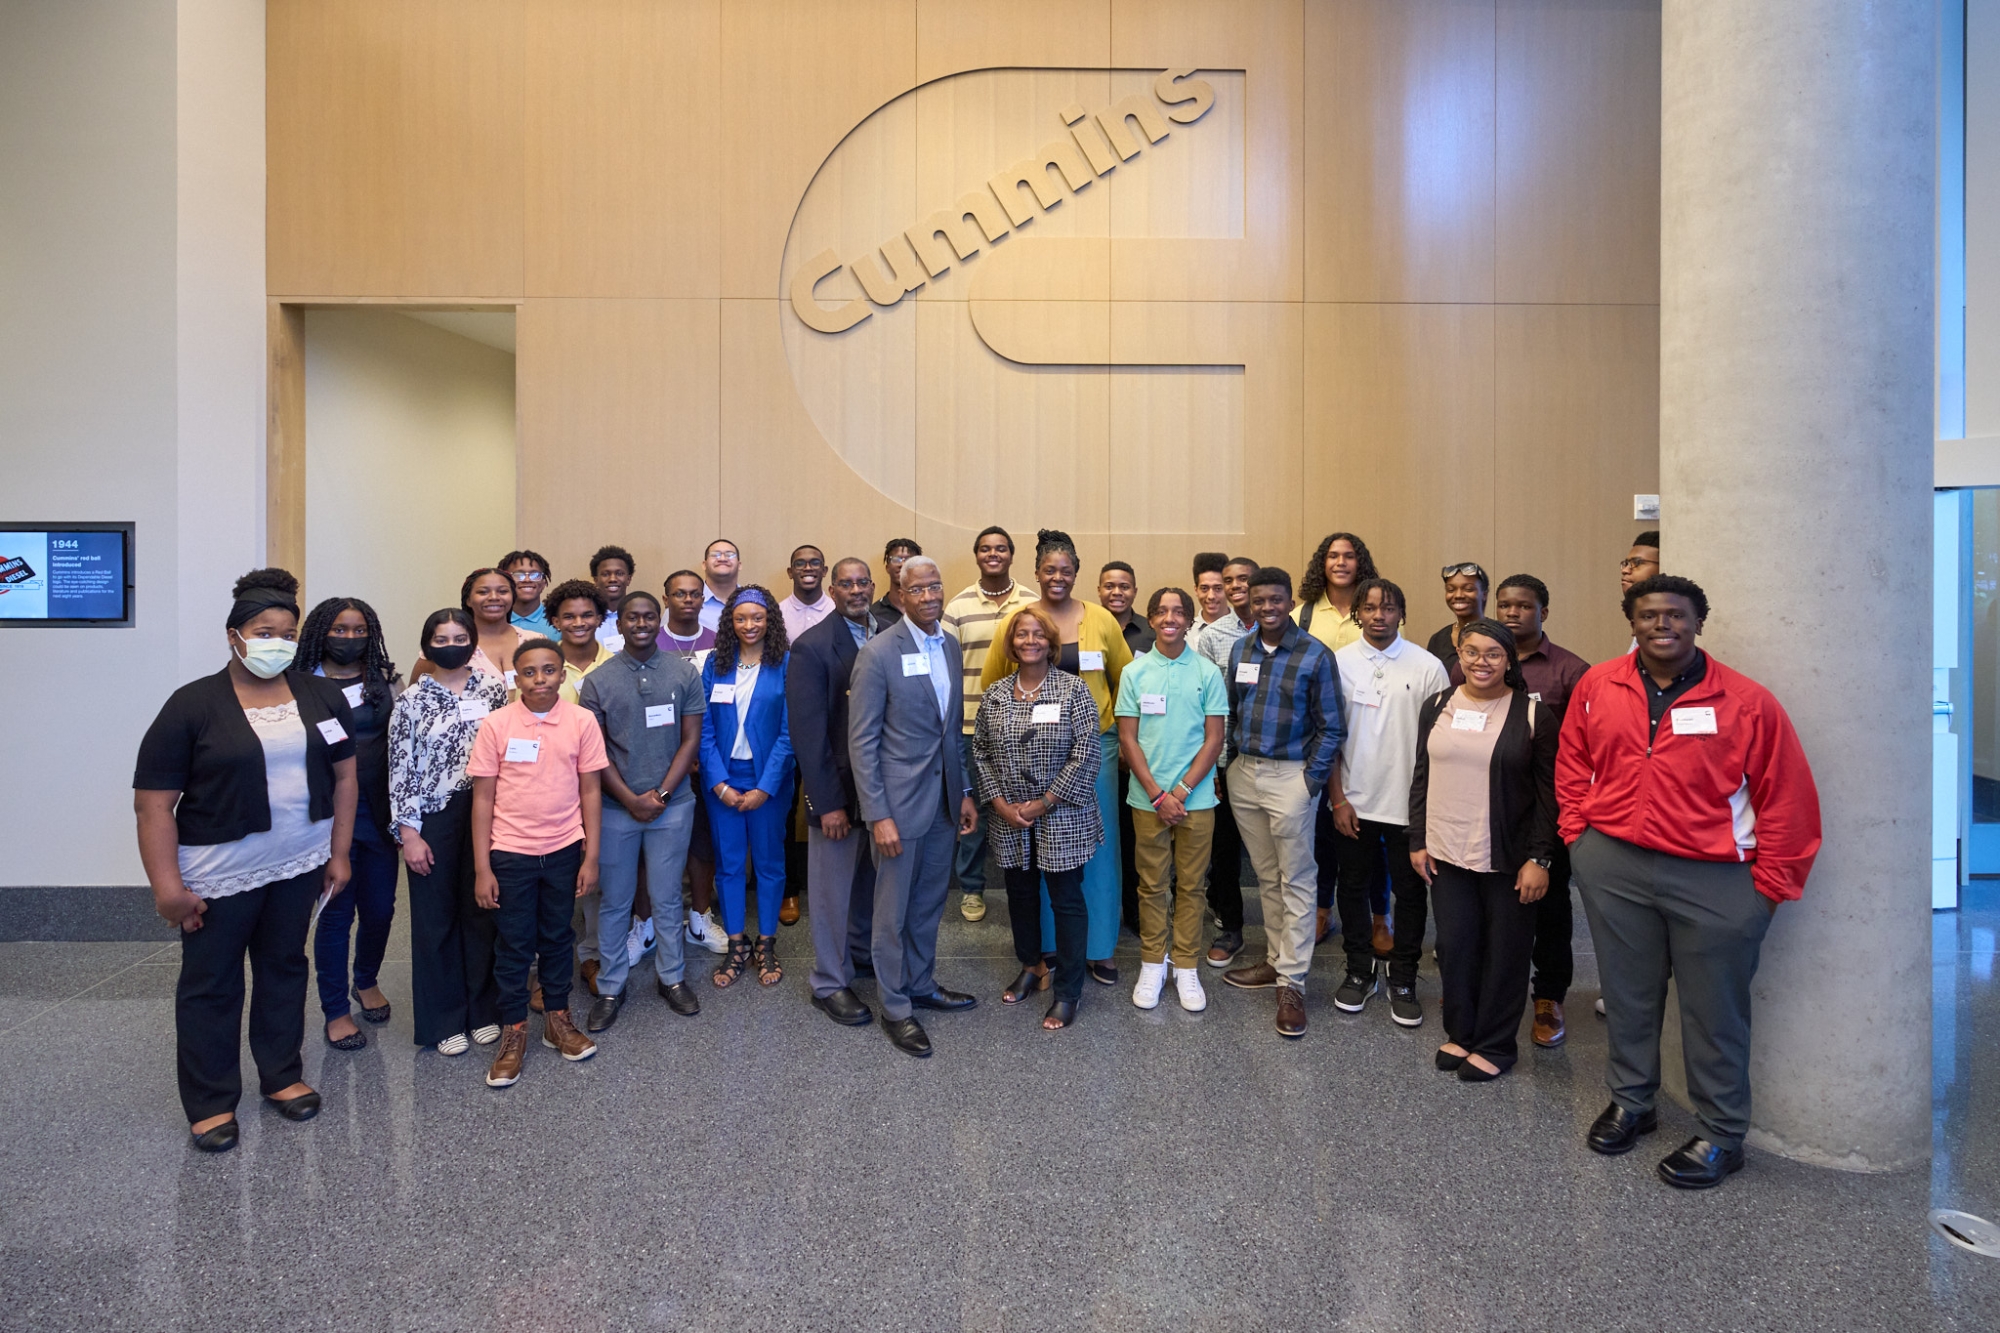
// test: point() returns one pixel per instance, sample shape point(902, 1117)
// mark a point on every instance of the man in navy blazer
point(840, 883)
point(905, 711)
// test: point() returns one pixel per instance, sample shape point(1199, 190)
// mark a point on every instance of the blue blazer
point(767, 728)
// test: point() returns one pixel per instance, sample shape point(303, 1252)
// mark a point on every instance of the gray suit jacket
point(903, 754)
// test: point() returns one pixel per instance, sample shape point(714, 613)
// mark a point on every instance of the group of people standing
point(564, 760)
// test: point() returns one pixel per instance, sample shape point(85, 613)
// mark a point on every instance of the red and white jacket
point(1741, 793)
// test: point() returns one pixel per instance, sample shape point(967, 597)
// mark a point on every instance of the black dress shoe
point(300, 1108)
point(679, 997)
point(1448, 1062)
point(1618, 1129)
point(220, 1139)
point(1700, 1165)
point(908, 1035)
point(845, 1007)
point(353, 1041)
point(944, 999)
point(604, 1012)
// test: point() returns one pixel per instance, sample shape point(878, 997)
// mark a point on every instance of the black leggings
point(1485, 934)
point(1024, 914)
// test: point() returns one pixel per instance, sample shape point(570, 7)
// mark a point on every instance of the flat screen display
point(65, 574)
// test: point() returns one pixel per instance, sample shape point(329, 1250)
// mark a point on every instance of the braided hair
point(1312, 587)
point(776, 645)
point(377, 671)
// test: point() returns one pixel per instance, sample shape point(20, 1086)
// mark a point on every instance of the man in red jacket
point(1691, 814)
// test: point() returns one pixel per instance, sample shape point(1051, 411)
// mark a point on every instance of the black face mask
point(345, 652)
point(449, 657)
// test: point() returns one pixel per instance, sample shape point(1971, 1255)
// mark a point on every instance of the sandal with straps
point(768, 971)
point(735, 963)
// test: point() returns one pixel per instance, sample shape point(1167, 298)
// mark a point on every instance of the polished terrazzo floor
point(759, 1168)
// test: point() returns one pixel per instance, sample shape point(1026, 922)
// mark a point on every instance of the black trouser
point(1555, 925)
point(1225, 862)
point(451, 935)
point(795, 843)
point(1332, 869)
point(1371, 866)
point(268, 924)
point(537, 896)
point(1484, 936)
point(1024, 914)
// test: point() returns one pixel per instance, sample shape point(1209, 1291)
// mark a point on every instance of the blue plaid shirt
point(1294, 711)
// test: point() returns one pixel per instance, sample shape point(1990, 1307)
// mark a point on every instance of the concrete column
point(1798, 179)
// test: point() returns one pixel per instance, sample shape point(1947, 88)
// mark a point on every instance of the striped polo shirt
point(974, 617)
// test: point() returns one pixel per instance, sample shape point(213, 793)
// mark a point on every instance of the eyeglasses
point(1467, 568)
point(852, 585)
point(1634, 562)
point(1473, 657)
point(530, 576)
point(925, 590)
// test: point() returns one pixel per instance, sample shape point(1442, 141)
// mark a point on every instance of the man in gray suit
point(904, 710)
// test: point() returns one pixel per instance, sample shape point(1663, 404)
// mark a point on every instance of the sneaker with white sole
point(1355, 990)
point(1599, 1006)
point(637, 941)
point(487, 1035)
point(1403, 1006)
point(703, 929)
point(972, 907)
point(456, 1044)
point(1187, 980)
point(1152, 980)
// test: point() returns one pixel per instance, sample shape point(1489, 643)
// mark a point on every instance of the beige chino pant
point(1274, 813)
point(1164, 853)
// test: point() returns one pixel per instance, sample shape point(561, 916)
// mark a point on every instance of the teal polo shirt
point(1193, 692)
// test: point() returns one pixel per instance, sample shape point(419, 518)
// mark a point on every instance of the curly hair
point(1668, 583)
point(613, 553)
point(1188, 604)
point(1312, 585)
point(377, 671)
point(574, 590)
point(281, 582)
point(726, 645)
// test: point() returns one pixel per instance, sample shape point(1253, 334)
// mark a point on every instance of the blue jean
point(371, 895)
point(1103, 873)
point(742, 841)
point(537, 895)
point(969, 861)
point(665, 843)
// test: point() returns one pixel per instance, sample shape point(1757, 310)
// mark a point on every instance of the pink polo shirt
point(537, 808)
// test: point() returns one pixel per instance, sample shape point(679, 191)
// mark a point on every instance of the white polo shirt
point(1384, 689)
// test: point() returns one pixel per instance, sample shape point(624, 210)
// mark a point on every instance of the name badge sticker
point(1694, 721)
point(916, 664)
point(523, 751)
point(721, 694)
point(335, 733)
point(1246, 673)
point(510, 682)
point(1467, 719)
point(1368, 698)
point(1089, 661)
point(659, 715)
point(472, 710)
point(1045, 713)
point(1153, 704)
point(352, 694)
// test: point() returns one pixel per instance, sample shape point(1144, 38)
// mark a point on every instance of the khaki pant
point(1274, 813)
point(1165, 854)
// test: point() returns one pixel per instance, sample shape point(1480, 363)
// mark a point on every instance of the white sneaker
point(1152, 978)
point(637, 941)
point(487, 1035)
point(456, 1044)
point(1600, 1007)
point(1187, 980)
point(705, 930)
point(972, 907)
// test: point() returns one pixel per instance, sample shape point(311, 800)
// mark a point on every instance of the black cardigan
point(1521, 786)
point(202, 746)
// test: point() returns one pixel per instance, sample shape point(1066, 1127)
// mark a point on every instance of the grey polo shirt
point(642, 707)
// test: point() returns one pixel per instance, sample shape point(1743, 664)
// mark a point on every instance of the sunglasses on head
point(1467, 568)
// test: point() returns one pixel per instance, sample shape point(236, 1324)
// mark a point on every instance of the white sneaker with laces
point(1187, 980)
point(456, 1044)
point(637, 941)
point(1152, 979)
point(705, 930)
point(487, 1035)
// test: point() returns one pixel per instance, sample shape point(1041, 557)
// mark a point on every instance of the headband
point(752, 595)
point(254, 601)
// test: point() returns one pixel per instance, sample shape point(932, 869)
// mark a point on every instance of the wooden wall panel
point(1578, 151)
point(394, 147)
point(1577, 433)
point(956, 35)
point(285, 437)
point(624, 154)
point(619, 410)
point(1399, 167)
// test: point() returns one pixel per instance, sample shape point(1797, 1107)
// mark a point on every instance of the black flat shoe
point(1028, 983)
point(679, 997)
point(908, 1036)
point(1104, 972)
point(1700, 1165)
point(220, 1139)
point(946, 1000)
point(1614, 1132)
point(372, 1015)
point(604, 1012)
point(1449, 1062)
point(353, 1041)
point(844, 1007)
point(1064, 1011)
point(1469, 1072)
point(297, 1109)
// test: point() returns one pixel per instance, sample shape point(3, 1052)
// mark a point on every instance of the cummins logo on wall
point(954, 318)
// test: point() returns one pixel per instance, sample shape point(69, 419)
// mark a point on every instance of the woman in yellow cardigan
point(1093, 647)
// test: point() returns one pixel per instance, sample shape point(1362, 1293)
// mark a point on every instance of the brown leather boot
point(589, 972)
point(560, 1034)
point(1383, 940)
point(506, 1070)
point(1549, 1029)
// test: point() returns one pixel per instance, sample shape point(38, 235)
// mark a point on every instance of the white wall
point(1982, 218)
point(409, 464)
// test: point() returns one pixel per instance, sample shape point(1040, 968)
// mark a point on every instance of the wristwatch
point(1543, 861)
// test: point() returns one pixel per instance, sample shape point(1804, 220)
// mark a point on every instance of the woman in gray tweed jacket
point(1035, 745)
